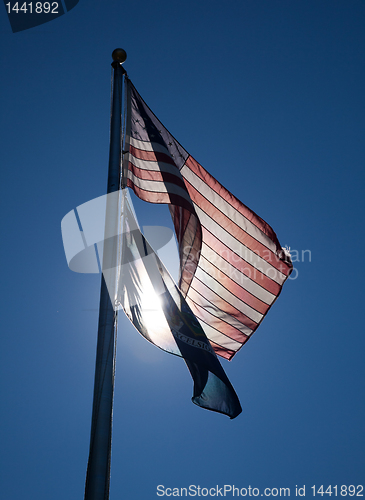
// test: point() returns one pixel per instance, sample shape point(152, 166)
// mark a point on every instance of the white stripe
point(236, 246)
point(155, 166)
point(227, 209)
point(226, 295)
point(149, 146)
point(194, 298)
point(237, 276)
point(158, 186)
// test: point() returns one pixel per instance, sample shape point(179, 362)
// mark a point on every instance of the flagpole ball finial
point(119, 55)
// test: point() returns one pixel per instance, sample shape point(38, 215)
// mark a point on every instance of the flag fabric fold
point(158, 310)
point(232, 266)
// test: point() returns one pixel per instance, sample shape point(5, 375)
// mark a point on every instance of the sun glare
point(152, 312)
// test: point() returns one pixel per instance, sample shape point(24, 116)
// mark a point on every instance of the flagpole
point(98, 469)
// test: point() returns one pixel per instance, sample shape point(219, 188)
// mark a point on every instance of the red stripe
point(235, 203)
point(221, 304)
point(240, 264)
point(151, 155)
point(238, 233)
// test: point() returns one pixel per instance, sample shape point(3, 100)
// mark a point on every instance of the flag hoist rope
point(98, 468)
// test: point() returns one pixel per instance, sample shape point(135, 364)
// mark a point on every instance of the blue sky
point(268, 97)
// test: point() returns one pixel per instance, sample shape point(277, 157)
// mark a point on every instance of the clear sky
point(269, 97)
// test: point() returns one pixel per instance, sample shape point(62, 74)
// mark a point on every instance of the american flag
point(232, 266)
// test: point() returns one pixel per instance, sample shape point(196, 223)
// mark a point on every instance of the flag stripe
point(157, 197)
point(148, 146)
point(236, 261)
point(237, 275)
point(201, 301)
point(223, 194)
point(219, 338)
point(154, 165)
point(158, 186)
point(239, 248)
point(217, 330)
point(231, 285)
point(222, 327)
point(223, 351)
point(227, 217)
point(225, 308)
point(159, 176)
point(152, 156)
point(227, 295)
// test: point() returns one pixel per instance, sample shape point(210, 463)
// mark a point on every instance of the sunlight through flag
point(158, 310)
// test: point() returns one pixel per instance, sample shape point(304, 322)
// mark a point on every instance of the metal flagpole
point(98, 468)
